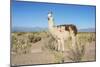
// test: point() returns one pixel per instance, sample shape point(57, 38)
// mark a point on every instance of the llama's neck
point(50, 22)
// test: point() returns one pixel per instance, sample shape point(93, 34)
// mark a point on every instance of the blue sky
point(33, 14)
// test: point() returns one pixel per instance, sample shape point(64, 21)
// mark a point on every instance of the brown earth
point(39, 56)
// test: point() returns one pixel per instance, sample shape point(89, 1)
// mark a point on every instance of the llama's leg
point(73, 41)
point(56, 45)
point(59, 45)
point(62, 43)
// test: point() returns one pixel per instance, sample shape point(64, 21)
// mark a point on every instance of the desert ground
point(40, 48)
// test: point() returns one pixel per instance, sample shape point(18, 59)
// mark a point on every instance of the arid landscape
point(40, 48)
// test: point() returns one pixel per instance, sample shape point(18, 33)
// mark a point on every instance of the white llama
point(62, 32)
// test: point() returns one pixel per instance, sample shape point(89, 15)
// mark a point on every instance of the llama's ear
point(50, 12)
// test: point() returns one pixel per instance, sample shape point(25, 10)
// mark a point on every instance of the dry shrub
point(50, 43)
point(76, 54)
point(22, 41)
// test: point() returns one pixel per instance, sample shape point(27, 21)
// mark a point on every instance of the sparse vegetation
point(74, 54)
point(22, 43)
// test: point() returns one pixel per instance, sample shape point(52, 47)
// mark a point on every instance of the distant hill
point(37, 29)
point(87, 30)
point(28, 29)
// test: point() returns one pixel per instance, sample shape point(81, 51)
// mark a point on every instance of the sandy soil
point(38, 56)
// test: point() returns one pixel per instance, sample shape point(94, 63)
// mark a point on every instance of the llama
point(61, 32)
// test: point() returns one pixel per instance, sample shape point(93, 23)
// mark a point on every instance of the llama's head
point(50, 20)
point(50, 15)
